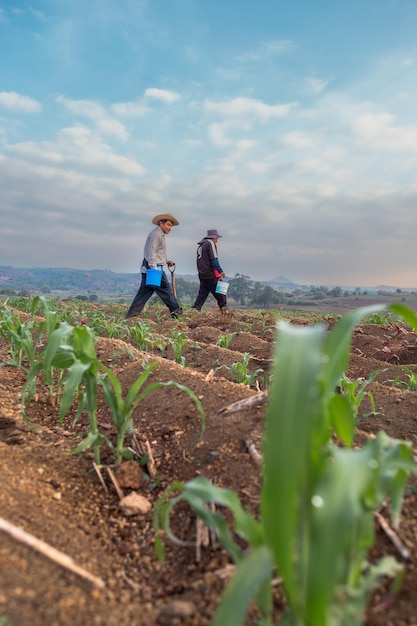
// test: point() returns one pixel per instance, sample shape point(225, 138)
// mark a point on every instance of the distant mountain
point(66, 279)
point(280, 283)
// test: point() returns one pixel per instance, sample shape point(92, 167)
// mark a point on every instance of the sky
point(290, 127)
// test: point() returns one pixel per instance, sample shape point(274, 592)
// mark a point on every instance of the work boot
point(177, 313)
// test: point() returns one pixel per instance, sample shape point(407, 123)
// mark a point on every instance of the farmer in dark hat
point(154, 258)
point(209, 271)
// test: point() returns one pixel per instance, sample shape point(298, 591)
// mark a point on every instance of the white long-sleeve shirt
point(155, 249)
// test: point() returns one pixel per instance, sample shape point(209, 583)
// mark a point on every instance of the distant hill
point(281, 283)
point(66, 279)
point(73, 281)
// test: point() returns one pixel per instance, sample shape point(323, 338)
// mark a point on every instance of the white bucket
point(222, 287)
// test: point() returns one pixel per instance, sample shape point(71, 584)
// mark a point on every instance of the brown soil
point(59, 498)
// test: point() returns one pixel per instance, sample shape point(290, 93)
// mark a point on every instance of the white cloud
point(378, 131)
point(130, 109)
point(244, 107)
point(16, 102)
point(95, 112)
point(76, 148)
point(162, 94)
point(300, 139)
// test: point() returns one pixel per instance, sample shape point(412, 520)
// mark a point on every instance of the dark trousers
point(145, 292)
point(208, 285)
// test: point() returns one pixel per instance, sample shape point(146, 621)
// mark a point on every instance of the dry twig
point(253, 451)
point(52, 553)
point(392, 536)
point(100, 477)
point(120, 493)
point(246, 403)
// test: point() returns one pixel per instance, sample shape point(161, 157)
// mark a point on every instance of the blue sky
point(291, 127)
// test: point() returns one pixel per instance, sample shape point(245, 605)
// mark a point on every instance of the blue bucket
point(153, 277)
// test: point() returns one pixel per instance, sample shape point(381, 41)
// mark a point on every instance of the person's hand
point(223, 274)
point(170, 263)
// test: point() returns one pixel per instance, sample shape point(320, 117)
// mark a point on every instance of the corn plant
point(23, 338)
point(80, 360)
point(317, 504)
point(353, 393)
point(178, 342)
point(122, 408)
point(27, 340)
point(224, 341)
point(141, 334)
point(407, 379)
point(240, 373)
point(45, 363)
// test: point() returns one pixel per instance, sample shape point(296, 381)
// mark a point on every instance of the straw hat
point(165, 216)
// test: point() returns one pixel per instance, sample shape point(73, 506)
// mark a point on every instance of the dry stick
point(151, 465)
point(55, 555)
point(212, 531)
point(247, 403)
point(201, 538)
point(392, 536)
point(101, 479)
point(253, 451)
point(144, 448)
point(120, 493)
point(205, 535)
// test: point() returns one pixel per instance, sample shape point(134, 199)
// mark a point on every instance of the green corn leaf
point(57, 337)
point(342, 418)
point(406, 313)
point(340, 531)
point(338, 342)
point(202, 490)
point(73, 381)
point(84, 341)
point(139, 382)
point(252, 575)
point(294, 404)
point(92, 440)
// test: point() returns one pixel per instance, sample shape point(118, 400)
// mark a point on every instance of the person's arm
point(214, 260)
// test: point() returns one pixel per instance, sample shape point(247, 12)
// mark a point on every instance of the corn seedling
point(23, 338)
point(178, 341)
point(240, 373)
point(224, 340)
point(141, 334)
point(122, 408)
point(377, 318)
point(80, 360)
point(316, 521)
point(353, 392)
point(45, 362)
point(407, 379)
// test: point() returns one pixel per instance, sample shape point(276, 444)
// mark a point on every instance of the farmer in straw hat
point(209, 271)
point(155, 257)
